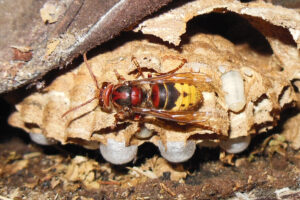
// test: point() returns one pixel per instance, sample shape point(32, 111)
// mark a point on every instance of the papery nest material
point(42, 112)
point(266, 89)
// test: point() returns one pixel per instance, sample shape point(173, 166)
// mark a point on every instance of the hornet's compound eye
point(104, 96)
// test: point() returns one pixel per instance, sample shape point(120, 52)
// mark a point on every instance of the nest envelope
point(260, 88)
point(265, 93)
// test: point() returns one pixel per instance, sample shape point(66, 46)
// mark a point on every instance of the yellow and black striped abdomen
point(175, 96)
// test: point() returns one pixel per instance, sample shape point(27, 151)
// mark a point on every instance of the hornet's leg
point(138, 67)
point(183, 61)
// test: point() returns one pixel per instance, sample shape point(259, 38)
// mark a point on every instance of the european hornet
point(169, 96)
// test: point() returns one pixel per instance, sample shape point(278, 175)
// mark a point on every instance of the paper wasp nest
point(249, 90)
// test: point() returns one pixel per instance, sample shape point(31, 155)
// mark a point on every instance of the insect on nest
point(169, 96)
point(203, 101)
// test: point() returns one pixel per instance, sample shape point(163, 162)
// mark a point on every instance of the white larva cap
point(177, 152)
point(235, 145)
point(117, 153)
point(40, 139)
point(233, 86)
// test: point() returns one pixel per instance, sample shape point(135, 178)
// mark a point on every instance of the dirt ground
point(29, 171)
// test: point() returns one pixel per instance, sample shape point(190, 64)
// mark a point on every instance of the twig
point(109, 182)
point(168, 190)
point(148, 173)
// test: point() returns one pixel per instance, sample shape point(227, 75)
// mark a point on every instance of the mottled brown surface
point(23, 26)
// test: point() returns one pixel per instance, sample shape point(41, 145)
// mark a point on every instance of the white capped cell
point(233, 87)
point(41, 139)
point(177, 152)
point(235, 145)
point(117, 152)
